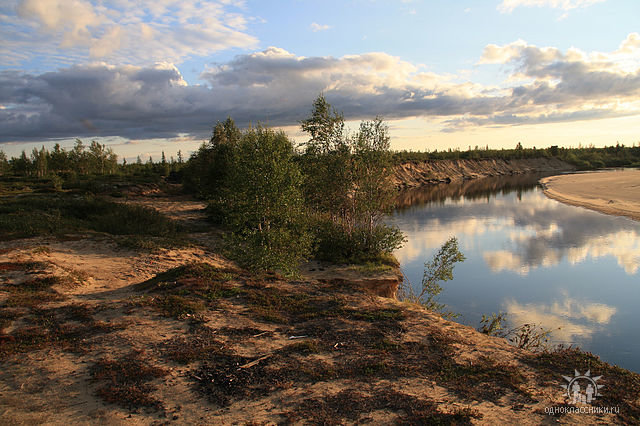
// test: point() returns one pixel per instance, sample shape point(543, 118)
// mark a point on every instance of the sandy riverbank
point(416, 174)
point(613, 192)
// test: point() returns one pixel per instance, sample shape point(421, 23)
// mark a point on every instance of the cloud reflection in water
point(568, 318)
point(535, 231)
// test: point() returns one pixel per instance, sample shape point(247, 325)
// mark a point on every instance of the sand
point(614, 192)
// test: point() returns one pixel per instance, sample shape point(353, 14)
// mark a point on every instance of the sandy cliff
point(412, 174)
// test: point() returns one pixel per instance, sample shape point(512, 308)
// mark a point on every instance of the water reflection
point(570, 320)
point(539, 231)
point(537, 259)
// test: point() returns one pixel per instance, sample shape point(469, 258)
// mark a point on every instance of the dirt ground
point(93, 333)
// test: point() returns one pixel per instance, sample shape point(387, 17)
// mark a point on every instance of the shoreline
point(587, 190)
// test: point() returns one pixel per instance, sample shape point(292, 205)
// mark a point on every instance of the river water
point(566, 268)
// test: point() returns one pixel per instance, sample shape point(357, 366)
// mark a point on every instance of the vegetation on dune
point(282, 206)
point(348, 187)
point(59, 214)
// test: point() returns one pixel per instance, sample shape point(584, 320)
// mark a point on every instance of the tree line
point(83, 160)
point(583, 158)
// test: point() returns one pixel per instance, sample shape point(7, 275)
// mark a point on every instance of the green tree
point(78, 158)
point(21, 165)
point(59, 161)
point(165, 168)
point(208, 170)
point(39, 161)
point(4, 163)
point(373, 189)
point(265, 203)
point(325, 126)
point(440, 268)
point(348, 186)
point(326, 162)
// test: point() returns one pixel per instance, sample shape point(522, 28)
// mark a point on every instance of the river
point(571, 270)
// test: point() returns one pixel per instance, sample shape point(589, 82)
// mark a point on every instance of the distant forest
point(582, 158)
point(98, 159)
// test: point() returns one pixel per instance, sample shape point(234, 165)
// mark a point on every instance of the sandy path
point(611, 192)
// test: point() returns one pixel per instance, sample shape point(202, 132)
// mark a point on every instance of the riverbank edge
point(568, 199)
point(430, 172)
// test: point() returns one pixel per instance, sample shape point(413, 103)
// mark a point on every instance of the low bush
point(33, 215)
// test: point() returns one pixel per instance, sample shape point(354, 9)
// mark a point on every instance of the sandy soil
point(378, 361)
point(612, 192)
point(411, 175)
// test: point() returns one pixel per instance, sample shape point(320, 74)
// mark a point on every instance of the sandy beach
point(613, 192)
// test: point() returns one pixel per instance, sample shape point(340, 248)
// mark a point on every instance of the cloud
point(543, 85)
point(57, 31)
point(315, 27)
point(508, 6)
point(568, 319)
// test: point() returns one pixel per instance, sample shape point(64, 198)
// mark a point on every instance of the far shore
point(615, 192)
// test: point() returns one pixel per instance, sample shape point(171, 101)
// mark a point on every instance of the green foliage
point(207, 173)
point(265, 203)
point(94, 160)
point(253, 186)
point(327, 161)
point(440, 268)
point(492, 325)
point(34, 215)
point(373, 191)
point(4, 163)
point(325, 126)
point(348, 186)
point(98, 159)
point(360, 246)
point(583, 158)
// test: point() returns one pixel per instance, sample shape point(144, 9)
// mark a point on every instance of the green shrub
point(33, 215)
point(361, 245)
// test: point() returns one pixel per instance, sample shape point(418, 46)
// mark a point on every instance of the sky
point(156, 75)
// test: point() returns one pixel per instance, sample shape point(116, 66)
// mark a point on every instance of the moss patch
point(355, 406)
point(127, 381)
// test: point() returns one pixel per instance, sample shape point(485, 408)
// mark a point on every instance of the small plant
point(492, 325)
point(440, 268)
point(528, 336)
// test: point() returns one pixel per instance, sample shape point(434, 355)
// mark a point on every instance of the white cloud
point(567, 318)
point(315, 27)
point(118, 31)
point(507, 6)
point(544, 85)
